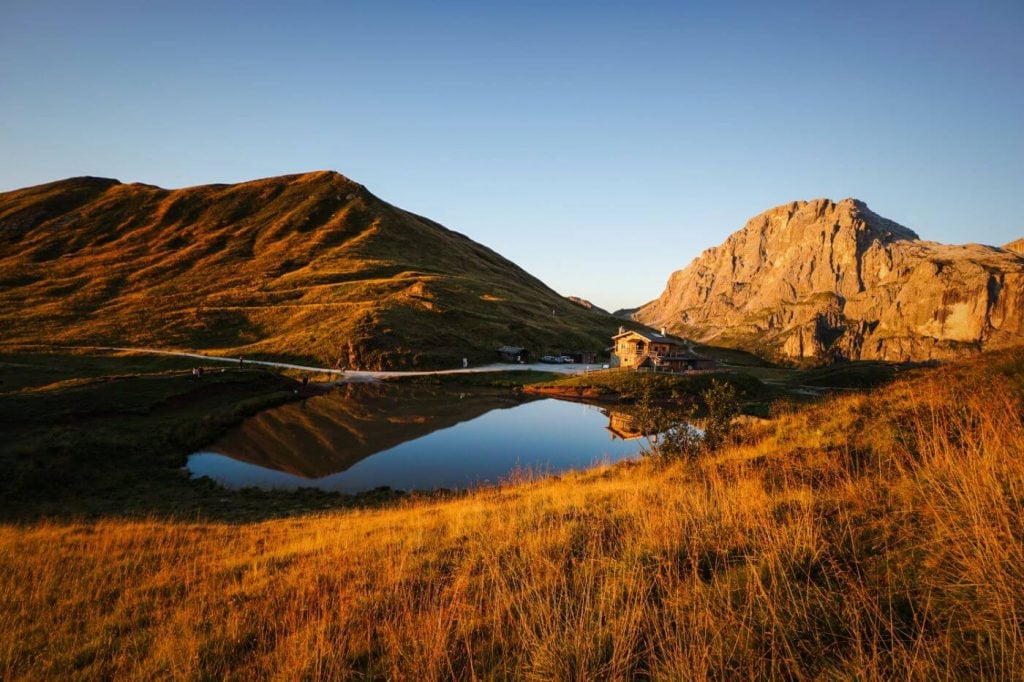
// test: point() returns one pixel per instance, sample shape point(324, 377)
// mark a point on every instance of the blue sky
point(599, 145)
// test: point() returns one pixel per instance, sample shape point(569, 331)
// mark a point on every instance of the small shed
point(513, 354)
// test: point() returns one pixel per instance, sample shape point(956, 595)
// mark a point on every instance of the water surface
point(359, 438)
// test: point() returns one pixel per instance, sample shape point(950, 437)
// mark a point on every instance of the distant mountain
point(310, 267)
point(1017, 246)
point(824, 280)
point(625, 313)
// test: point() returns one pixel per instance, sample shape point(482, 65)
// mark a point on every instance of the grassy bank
point(91, 434)
point(867, 536)
point(504, 379)
point(629, 386)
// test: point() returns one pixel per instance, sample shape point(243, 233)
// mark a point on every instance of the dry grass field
point(868, 536)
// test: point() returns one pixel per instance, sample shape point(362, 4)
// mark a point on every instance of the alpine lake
point(365, 436)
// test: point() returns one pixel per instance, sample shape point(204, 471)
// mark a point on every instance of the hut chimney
point(663, 331)
point(622, 330)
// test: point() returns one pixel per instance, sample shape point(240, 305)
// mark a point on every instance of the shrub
point(670, 432)
point(722, 406)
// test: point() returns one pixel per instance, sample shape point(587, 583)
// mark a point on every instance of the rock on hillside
point(584, 303)
point(824, 280)
point(310, 267)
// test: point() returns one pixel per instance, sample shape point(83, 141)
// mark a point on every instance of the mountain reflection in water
point(359, 437)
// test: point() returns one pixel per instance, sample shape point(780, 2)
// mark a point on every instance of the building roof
point(653, 337)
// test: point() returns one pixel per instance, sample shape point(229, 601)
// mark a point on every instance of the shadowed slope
point(308, 266)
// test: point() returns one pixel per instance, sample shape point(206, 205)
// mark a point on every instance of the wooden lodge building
point(656, 352)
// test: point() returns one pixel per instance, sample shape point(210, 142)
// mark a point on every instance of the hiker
point(305, 380)
point(199, 372)
point(465, 363)
point(240, 363)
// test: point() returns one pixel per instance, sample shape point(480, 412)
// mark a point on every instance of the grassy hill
point(310, 267)
point(868, 536)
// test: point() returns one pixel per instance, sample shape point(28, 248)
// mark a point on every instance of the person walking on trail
point(465, 363)
point(240, 361)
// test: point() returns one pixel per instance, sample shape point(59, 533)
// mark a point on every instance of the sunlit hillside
point(869, 536)
point(308, 266)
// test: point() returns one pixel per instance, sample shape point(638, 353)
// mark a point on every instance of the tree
point(722, 406)
point(669, 431)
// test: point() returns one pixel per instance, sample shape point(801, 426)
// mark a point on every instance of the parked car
point(549, 359)
point(566, 359)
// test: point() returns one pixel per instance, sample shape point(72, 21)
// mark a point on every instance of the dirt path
point(353, 376)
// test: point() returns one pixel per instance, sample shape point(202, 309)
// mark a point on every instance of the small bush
point(670, 432)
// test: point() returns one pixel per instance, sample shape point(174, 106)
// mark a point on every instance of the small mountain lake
point(364, 436)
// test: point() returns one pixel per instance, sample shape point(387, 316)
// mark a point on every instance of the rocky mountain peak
point(797, 219)
point(827, 279)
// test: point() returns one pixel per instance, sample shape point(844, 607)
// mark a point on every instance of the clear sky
point(600, 145)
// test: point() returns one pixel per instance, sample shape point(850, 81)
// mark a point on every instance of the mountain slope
point(308, 266)
point(825, 280)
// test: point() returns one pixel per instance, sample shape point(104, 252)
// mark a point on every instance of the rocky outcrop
point(587, 305)
point(824, 280)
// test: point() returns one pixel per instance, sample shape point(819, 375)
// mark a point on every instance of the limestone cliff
point(824, 280)
point(1017, 246)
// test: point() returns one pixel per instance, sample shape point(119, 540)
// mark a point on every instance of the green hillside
point(308, 267)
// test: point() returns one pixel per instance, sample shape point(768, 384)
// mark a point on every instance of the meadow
point(870, 535)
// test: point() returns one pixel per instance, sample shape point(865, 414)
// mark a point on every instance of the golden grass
point(870, 536)
point(309, 267)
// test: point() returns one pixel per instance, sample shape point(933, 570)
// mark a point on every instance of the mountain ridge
point(309, 265)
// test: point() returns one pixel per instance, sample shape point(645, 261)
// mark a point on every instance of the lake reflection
point(362, 437)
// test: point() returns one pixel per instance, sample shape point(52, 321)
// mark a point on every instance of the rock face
point(824, 280)
point(1017, 246)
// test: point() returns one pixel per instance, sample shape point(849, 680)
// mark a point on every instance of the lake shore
point(828, 541)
